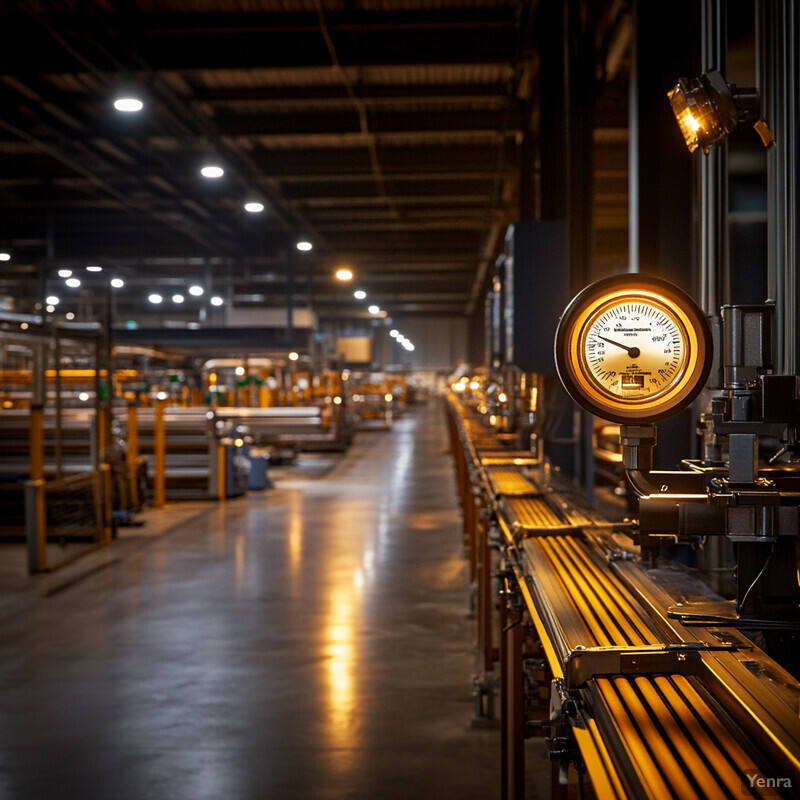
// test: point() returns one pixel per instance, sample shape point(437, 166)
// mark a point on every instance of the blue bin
point(258, 473)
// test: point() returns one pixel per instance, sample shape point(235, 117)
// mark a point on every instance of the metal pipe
point(777, 62)
point(714, 177)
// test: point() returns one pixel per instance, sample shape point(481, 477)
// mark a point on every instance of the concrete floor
point(310, 641)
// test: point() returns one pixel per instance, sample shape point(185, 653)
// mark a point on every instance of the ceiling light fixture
point(52, 300)
point(128, 104)
point(64, 273)
point(94, 268)
point(374, 309)
point(359, 294)
point(5, 256)
point(344, 274)
point(212, 171)
point(216, 300)
point(155, 298)
point(394, 333)
point(304, 246)
point(708, 109)
point(254, 207)
point(117, 283)
point(177, 298)
point(293, 356)
point(196, 291)
point(73, 283)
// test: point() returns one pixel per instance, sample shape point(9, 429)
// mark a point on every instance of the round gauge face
point(632, 348)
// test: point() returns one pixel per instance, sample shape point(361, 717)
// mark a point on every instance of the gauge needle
point(633, 352)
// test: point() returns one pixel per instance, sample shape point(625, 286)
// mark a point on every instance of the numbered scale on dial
point(633, 349)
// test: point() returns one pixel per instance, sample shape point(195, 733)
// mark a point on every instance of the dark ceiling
point(388, 134)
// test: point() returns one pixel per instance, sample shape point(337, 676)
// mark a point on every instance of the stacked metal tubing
point(649, 735)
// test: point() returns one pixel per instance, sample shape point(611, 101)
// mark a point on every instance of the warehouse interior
point(399, 399)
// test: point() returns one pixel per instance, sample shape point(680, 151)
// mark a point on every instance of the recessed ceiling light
point(293, 356)
point(73, 283)
point(216, 301)
point(52, 300)
point(94, 268)
point(128, 104)
point(344, 274)
point(50, 309)
point(254, 207)
point(212, 171)
point(196, 291)
point(359, 294)
point(117, 283)
point(177, 298)
point(64, 273)
point(5, 256)
point(70, 315)
point(394, 334)
point(374, 309)
point(155, 298)
point(304, 246)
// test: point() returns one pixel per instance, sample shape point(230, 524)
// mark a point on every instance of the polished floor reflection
point(310, 641)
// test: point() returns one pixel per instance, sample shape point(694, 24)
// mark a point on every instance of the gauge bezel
point(582, 385)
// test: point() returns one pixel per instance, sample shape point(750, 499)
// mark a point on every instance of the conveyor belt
point(644, 732)
point(534, 513)
point(509, 481)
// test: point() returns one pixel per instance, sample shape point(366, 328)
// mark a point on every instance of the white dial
point(634, 350)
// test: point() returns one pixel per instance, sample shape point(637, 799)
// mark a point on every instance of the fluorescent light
point(304, 246)
point(117, 283)
point(73, 283)
point(253, 207)
point(216, 301)
point(196, 291)
point(359, 294)
point(52, 300)
point(177, 298)
point(155, 298)
point(212, 171)
point(64, 273)
point(5, 256)
point(94, 268)
point(128, 104)
point(374, 309)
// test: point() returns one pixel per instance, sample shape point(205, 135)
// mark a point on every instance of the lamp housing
point(708, 108)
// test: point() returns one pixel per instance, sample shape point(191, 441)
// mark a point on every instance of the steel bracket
point(684, 658)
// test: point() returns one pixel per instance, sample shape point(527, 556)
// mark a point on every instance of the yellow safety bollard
point(160, 449)
point(221, 493)
point(37, 443)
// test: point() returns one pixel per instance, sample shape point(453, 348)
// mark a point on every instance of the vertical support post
point(512, 710)
point(58, 430)
point(106, 506)
point(133, 452)
point(37, 415)
point(484, 566)
point(160, 449)
point(289, 293)
point(36, 525)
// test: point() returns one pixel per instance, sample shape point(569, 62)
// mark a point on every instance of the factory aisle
point(308, 642)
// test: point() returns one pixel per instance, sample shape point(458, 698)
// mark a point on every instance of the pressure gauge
point(633, 349)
